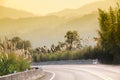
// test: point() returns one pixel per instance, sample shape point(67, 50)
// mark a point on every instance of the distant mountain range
point(6, 12)
point(45, 30)
point(86, 9)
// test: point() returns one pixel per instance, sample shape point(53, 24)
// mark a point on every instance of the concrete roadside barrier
point(26, 75)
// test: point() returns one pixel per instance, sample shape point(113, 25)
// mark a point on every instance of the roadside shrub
point(67, 55)
point(10, 62)
point(85, 53)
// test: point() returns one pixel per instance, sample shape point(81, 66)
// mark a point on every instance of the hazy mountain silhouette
point(86, 9)
point(6, 12)
point(49, 28)
point(45, 30)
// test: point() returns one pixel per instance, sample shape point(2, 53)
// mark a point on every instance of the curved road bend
point(81, 72)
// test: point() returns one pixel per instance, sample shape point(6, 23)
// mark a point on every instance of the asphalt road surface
point(81, 72)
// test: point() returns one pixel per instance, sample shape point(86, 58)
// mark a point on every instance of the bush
point(86, 53)
point(67, 55)
point(10, 62)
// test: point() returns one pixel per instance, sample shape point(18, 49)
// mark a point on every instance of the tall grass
point(85, 53)
point(66, 55)
point(12, 58)
point(10, 62)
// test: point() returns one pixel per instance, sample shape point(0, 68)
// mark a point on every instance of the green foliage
point(23, 64)
point(21, 44)
point(14, 44)
point(67, 55)
point(109, 34)
point(72, 36)
point(10, 62)
point(27, 44)
point(86, 53)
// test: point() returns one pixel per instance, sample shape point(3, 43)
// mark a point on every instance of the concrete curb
point(26, 75)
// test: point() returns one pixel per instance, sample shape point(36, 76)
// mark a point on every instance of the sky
point(42, 7)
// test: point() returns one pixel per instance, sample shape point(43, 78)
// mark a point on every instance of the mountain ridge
point(86, 9)
point(49, 29)
point(6, 12)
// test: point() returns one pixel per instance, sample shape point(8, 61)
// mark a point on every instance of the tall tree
point(71, 37)
point(109, 33)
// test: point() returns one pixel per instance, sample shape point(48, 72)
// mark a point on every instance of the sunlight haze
point(42, 7)
point(18, 18)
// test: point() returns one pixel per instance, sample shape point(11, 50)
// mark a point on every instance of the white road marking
point(97, 74)
point(53, 74)
point(100, 75)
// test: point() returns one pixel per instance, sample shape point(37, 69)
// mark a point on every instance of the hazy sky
point(45, 6)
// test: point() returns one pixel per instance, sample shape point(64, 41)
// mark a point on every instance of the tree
point(72, 37)
point(27, 44)
point(16, 39)
point(21, 44)
point(109, 33)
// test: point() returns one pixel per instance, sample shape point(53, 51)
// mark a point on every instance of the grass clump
point(10, 62)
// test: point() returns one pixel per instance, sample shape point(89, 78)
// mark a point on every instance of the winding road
point(81, 72)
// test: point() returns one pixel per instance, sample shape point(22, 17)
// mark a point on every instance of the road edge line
point(53, 74)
